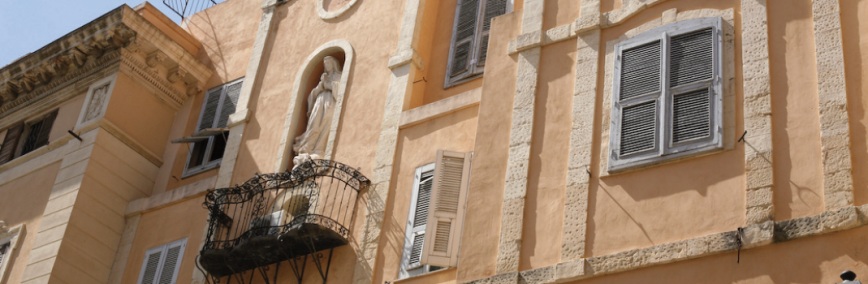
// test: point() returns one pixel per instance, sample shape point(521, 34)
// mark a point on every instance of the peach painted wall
point(798, 169)
point(685, 199)
point(854, 26)
point(67, 115)
point(479, 240)
point(560, 12)
point(140, 114)
point(22, 201)
point(186, 219)
point(417, 146)
point(811, 260)
point(547, 171)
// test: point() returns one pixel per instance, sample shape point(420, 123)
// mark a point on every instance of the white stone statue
point(320, 109)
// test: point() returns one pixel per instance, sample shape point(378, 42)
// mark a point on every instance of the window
point(470, 38)
point(4, 250)
point(439, 193)
point(667, 94)
point(25, 137)
point(209, 140)
point(161, 263)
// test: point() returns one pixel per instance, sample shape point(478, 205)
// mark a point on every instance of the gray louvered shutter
point(445, 220)
point(640, 80)
point(692, 58)
point(640, 70)
point(151, 266)
point(493, 8)
point(171, 264)
point(692, 61)
point(10, 143)
point(229, 103)
point(465, 32)
point(638, 128)
point(209, 109)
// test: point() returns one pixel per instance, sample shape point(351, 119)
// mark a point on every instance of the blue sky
point(27, 25)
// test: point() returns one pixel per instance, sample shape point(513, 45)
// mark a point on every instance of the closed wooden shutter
point(209, 109)
point(493, 8)
point(10, 143)
point(691, 116)
point(465, 32)
point(692, 68)
point(151, 266)
point(229, 103)
point(640, 71)
point(445, 219)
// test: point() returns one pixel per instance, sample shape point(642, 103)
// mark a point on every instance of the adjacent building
point(454, 141)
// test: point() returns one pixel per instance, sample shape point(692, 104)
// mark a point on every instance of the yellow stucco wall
point(417, 146)
point(22, 201)
point(798, 171)
point(140, 114)
point(186, 219)
point(854, 27)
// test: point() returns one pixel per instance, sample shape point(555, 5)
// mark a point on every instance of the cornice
point(121, 37)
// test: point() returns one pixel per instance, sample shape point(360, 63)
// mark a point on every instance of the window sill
point(663, 160)
point(466, 79)
point(422, 278)
point(189, 172)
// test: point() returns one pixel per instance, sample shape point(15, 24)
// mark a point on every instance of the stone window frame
point(727, 125)
point(208, 138)
point(474, 71)
point(12, 237)
point(328, 15)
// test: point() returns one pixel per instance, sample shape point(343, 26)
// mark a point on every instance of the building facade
point(454, 141)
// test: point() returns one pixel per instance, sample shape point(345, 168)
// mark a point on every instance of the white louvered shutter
point(464, 34)
point(640, 88)
point(229, 102)
point(493, 8)
point(418, 216)
point(691, 71)
point(151, 267)
point(448, 195)
point(209, 109)
point(171, 264)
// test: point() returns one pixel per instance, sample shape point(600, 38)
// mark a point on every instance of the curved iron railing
point(277, 216)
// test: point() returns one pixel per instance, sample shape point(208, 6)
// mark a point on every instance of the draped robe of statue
point(320, 111)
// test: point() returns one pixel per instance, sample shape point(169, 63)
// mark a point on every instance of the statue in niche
point(320, 109)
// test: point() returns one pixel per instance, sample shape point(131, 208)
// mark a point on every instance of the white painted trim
point(327, 15)
point(291, 125)
point(110, 80)
point(11, 236)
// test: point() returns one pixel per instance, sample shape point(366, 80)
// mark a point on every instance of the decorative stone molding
point(832, 91)
point(323, 12)
point(757, 112)
point(96, 101)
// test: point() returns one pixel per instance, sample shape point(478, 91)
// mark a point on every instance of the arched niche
point(330, 9)
point(306, 79)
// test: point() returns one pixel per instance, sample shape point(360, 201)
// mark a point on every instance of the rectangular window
point(667, 94)
point(469, 47)
point(25, 137)
point(209, 141)
point(436, 214)
point(161, 263)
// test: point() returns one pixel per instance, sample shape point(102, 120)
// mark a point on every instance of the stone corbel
point(121, 36)
point(78, 55)
point(176, 74)
point(155, 58)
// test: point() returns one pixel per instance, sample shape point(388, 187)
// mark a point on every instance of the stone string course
point(828, 222)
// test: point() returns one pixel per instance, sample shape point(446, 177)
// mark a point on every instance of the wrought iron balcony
point(280, 216)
